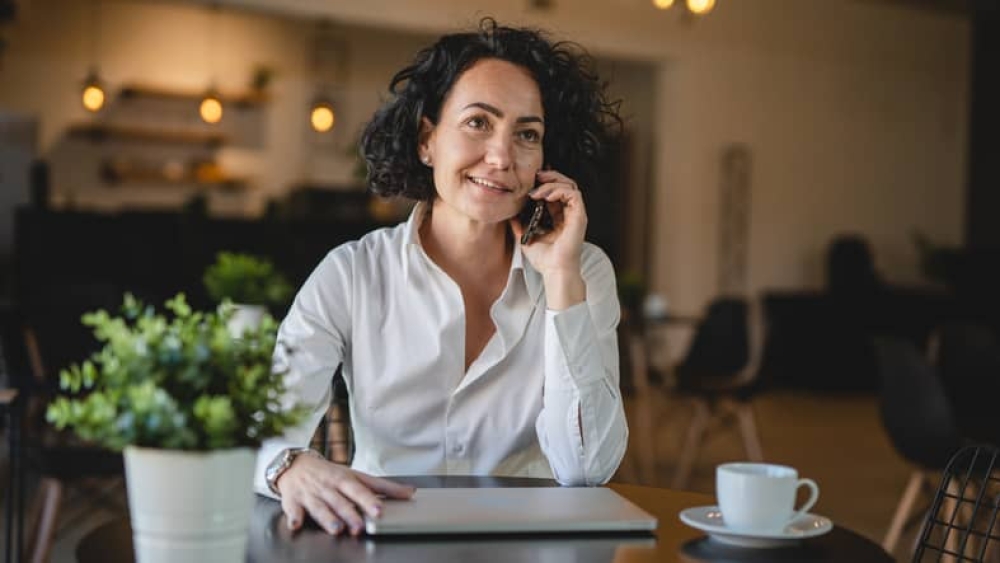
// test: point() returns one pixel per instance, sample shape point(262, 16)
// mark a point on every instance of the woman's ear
point(424, 137)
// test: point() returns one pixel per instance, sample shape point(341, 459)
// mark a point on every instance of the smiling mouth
point(490, 186)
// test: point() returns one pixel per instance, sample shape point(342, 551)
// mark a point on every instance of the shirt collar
point(411, 236)
point(412, 230)
point(411, 239)
point(532, 279)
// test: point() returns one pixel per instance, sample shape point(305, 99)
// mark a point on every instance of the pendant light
point(691, 7)
point(328, 60)
point(700, 7)
point(322, 117)
point(210, 109)
point(93, 94)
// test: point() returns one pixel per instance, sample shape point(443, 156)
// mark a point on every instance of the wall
point(855, 112)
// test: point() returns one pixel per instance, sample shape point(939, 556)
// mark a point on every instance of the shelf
point(242, 100)
point(206, 176)
point(100, 132)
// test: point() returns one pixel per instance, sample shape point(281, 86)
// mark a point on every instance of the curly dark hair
point(580, 119)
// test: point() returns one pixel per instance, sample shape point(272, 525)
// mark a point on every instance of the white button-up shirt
point(396, 322)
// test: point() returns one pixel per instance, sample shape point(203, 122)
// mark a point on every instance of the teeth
point(487, 183)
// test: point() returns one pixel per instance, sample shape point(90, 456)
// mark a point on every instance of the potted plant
point(189, 404)
point(251, 283)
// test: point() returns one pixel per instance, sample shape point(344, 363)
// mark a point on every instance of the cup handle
point(813, 497)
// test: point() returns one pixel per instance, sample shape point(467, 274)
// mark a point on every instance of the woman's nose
point(499, 153)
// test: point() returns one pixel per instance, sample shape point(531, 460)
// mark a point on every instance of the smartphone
point(536, 219)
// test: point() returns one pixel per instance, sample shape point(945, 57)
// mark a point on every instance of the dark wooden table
point(270, 540)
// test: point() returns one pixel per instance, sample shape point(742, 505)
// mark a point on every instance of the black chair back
point(961, 524)
point(721, 344)
point(968, 357)
point(915, 411)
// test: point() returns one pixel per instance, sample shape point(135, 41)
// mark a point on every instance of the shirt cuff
point(576, 350)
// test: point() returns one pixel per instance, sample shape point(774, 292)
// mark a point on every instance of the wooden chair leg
point(692, 442)
point(748, 429)
point(51, 492)
point(903, 510)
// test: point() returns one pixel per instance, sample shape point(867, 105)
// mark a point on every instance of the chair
point(962, 522)
point(62, 464)
point(718, 375)
point(918, 419)
point(334, 437)
point(968, 358)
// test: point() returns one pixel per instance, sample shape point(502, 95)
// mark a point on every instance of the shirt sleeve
point(310, 345)
point(582, 428)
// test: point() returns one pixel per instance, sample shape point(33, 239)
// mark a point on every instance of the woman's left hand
point(558, 249)
point(556, 254)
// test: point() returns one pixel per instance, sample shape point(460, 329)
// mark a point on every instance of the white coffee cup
point(760, 497)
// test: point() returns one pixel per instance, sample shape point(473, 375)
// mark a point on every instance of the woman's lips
point(490, 185)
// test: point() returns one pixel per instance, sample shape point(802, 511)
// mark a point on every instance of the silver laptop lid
point(511, 510)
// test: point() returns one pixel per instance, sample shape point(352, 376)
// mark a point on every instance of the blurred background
point(828, 164)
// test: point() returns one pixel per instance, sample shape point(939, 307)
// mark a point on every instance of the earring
point(426, 159)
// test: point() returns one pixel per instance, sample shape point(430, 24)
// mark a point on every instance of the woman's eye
point(477, 123)
point(530, 135)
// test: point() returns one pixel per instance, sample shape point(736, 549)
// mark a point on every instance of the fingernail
point(355, 530)
point(293, 523)
point(336, 527)
point(533, 190)
point(378, 510)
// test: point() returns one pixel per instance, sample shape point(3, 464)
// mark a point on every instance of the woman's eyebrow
point(497, 112)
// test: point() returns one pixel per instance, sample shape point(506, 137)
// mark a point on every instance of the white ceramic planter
point(245, 317)
point(190, 506)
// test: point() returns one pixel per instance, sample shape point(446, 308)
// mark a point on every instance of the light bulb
point(700, 7)
point(211, 108)
point(93, 97)
point(663, 4)
point(322, 117)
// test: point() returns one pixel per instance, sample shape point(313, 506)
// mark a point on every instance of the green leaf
point(248, 279)
point(176, 380)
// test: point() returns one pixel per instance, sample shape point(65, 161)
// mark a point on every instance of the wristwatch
point(280, 464)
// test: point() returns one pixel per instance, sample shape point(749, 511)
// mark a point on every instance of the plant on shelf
point(244, 278)
point(189, 404)
point(250, 282)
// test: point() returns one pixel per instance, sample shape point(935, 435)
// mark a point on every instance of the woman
point(464, 351)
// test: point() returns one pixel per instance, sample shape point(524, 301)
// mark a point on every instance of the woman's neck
point(463, 248)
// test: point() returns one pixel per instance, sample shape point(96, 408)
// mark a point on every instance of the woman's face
point(487, 144)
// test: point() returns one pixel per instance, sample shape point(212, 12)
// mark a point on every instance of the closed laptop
point(511, 510)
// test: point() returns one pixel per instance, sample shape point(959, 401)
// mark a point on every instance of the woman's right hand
point(335, 496)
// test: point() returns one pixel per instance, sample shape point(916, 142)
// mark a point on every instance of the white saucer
point(709, 520)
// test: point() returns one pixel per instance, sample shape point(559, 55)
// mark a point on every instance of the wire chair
point(962, 523)
point(334, 438)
